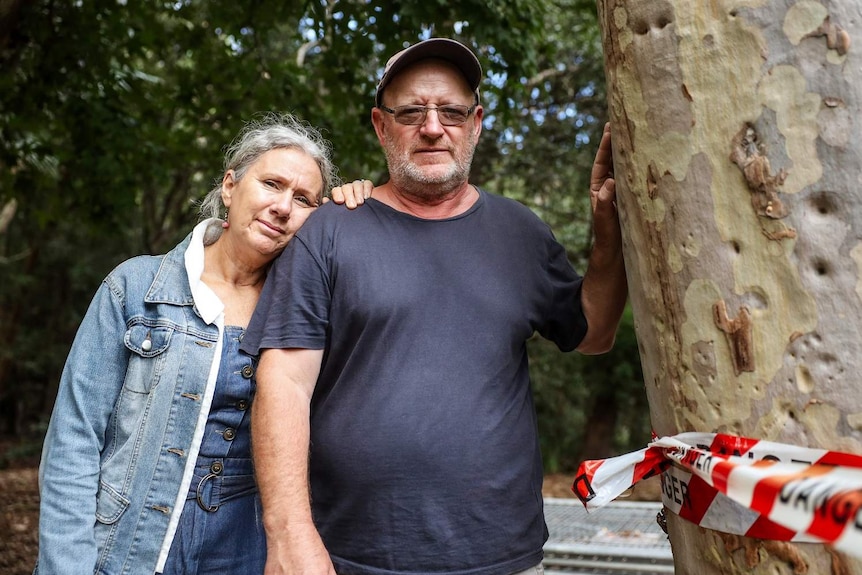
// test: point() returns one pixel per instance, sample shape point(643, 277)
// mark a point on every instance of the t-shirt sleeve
point(293, 309)
point(565, 324)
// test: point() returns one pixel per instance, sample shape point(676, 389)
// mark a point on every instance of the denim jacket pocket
point(148, 345)
point(148, 341)
point(110, 505)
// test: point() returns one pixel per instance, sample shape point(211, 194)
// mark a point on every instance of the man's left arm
point(604, 290)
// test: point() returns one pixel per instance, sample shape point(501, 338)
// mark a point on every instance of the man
point(403, 417)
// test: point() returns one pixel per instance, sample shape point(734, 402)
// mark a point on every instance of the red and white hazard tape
point(742, 486)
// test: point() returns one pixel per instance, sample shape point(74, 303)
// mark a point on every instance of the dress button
point(247, 371)
point(242, 405)
point(216, 467)
point(229, 434)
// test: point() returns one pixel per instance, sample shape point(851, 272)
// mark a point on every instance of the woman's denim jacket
point(133, 388)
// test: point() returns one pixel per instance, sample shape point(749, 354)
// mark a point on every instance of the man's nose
point(432, 126)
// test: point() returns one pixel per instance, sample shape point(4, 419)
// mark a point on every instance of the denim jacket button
point(216, 467)
point(229, 434)
point(242, 405)
point(247, 371)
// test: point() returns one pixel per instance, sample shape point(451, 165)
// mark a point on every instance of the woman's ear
point(228, 183)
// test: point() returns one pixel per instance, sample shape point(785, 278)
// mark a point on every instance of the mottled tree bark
point(738, 158)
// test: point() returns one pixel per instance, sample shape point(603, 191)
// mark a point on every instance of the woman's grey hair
point(272, 131)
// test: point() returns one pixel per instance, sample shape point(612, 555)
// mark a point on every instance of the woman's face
point(272, 200)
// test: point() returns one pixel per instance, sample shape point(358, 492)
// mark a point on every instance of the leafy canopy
point(115, 114)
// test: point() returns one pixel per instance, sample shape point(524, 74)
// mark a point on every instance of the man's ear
point(379, 122)
point(478, 113)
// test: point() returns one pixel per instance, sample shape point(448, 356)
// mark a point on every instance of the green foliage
point(114, 116)
point(567, 386)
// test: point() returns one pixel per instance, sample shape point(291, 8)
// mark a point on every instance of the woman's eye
point(270, 184)
point(303, 200)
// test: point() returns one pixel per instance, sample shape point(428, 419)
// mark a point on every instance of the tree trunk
point(737, 150)
point(600, 425)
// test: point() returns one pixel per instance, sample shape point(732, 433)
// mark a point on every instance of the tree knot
point(764, 186)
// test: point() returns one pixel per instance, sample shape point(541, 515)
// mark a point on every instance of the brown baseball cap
point(443, 48)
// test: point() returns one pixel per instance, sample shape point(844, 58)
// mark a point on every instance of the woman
point(146, 466)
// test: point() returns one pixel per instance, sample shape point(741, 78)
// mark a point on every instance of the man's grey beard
point(411, 180)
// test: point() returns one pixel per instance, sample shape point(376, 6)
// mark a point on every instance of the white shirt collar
point(208, 304)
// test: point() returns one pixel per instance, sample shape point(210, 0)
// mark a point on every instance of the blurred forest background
point(114, 115)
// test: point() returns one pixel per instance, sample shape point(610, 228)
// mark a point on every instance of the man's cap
point(443, 48)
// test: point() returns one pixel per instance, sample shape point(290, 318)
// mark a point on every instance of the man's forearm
point(280, 436)
point(280, 440)
point(603, 299)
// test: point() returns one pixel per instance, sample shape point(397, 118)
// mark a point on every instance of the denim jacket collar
point(172, 286)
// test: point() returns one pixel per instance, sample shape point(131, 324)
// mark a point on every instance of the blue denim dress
point(221, 527)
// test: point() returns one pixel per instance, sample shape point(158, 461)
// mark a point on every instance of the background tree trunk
point(737, 152)
point(600, 426)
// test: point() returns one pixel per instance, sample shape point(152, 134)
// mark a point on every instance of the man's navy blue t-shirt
point(424, 450)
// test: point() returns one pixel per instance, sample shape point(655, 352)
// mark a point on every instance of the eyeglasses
point(448, 115)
